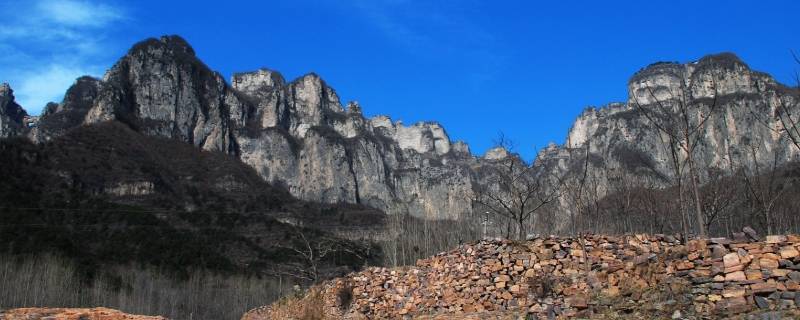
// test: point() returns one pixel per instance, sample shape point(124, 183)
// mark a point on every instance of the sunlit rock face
point(297, 133)
point(422, 137)
point(741, 129)
point(496, 153)
point(260, 81)
point(161, 88)
point(12, 115)
point(715, 75)
point(293, 133)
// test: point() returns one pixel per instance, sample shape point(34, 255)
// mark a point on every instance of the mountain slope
point(104, 195)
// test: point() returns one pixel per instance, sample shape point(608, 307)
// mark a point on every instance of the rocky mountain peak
point(81, 94)
point(620, 136)
point(261, 80)
point(496, 153)
point(296, 134)
point(313, 92)
point(160, 88)
point(353, 107)
point(724, 60)
point(57, 118)
point(5, 90)
point(588, 121)
point(173, 44)
point(713, 75)
point(12, 115)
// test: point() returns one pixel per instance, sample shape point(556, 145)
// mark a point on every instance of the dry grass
point(48, 281)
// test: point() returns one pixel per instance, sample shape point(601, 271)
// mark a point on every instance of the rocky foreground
point(70, 314)
point(592, 276)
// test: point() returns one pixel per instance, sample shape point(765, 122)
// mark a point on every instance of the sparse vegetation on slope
point(121, 212)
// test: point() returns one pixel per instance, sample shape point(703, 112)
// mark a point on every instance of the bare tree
point(785, 112)
point(675, 118)
point(575, 188)
point(313, 247)
point(764, 187)
point(719, 198)
point(583, 188)
point(516, 190)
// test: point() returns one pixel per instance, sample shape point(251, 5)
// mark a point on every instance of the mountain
point(106, 195)
point(734, 114)
point(298, 135)
point(743, 100)
point(57, 118)
point(12, 115)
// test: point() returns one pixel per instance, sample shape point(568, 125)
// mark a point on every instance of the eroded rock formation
point(625, 141)
point(299, 135)
point(11, 114)
point(296, 134)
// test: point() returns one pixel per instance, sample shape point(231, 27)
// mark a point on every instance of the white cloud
point(46, 84)
point(78, 13)
point(60, 40)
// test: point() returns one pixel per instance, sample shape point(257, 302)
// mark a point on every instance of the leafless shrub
point(49, 281)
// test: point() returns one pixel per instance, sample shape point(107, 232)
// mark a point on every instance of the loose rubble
point(71, 314)
point(590, 276)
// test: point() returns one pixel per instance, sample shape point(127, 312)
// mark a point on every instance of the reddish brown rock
point(735, 276)
point(767, 263)
point(731, 260)
point(564, 277)
point(763, 287)
point(789, 252)
point(71, 314)
point(684, 265)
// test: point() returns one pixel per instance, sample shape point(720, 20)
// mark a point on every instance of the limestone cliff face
point(742, 129)
point(11, 114)
point(161, 88)
point(293, 133)
point(298, 134)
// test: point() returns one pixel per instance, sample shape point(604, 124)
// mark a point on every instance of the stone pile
point(581, 277)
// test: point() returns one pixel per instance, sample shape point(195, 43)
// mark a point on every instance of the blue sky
point(479, 67)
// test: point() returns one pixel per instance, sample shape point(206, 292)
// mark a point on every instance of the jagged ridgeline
point(163, 163)
point(632, 155)
point(297, 135)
